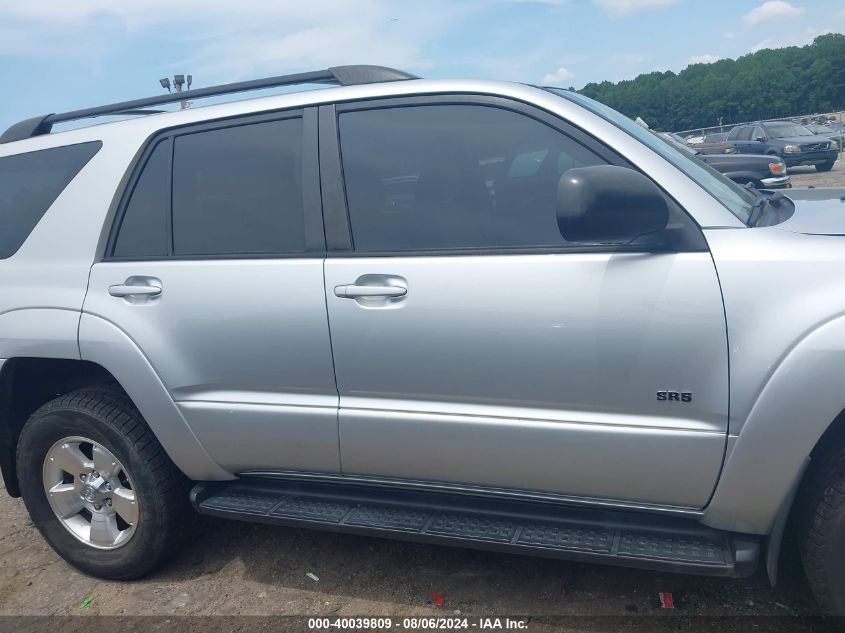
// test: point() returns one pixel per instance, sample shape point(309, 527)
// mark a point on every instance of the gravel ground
point(253, 574)
point(808, 176)
point(238, 569)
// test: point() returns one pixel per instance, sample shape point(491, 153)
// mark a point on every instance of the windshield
point(787, 130)
point(736, 199)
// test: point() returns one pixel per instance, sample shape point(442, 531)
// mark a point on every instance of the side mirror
point(608, 204)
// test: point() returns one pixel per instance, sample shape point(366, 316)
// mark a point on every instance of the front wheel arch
point(769, 447)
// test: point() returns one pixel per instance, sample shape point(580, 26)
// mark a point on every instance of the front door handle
point(353, 291)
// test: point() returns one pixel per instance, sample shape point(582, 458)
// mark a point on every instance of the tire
point(141, 484)
point(825, 166)
point(821, 529)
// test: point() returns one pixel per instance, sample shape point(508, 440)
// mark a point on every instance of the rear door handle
point(134, 290)
point(352, 291)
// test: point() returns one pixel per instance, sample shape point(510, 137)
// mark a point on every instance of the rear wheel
point(825, 166)
point(822, 529)
point(99, 486)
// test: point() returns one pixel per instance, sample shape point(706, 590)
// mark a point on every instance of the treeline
point(766, 84)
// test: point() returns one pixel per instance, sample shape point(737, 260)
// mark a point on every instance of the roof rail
point(337, 75)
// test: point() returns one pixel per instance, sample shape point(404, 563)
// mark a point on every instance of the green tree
point(766, 84)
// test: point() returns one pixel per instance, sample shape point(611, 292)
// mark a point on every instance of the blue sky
point(58, 55)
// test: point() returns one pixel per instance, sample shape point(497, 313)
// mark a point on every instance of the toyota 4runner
point(460, 312)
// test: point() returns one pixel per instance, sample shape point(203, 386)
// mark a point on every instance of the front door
point(215, 270)
point(474, 347)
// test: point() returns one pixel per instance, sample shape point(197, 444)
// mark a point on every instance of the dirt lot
point(808, 176)
point(236, 569)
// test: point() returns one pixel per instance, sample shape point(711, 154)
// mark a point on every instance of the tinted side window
point(744, 134)
point(238, 190)
point(30, 184)
point(453, 176)
point(143, 231)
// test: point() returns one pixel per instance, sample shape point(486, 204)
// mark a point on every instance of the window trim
point(338, 226)
point(315, 246)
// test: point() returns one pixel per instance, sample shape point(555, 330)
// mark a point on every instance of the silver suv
point(461, 312)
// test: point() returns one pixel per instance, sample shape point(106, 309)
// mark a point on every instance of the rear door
point(742, 141)
point(757, 143)
point(215, 269)
point(474, 347)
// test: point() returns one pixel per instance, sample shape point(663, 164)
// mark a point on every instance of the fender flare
point(102, 342)
point(802, 397)
point(36, 332)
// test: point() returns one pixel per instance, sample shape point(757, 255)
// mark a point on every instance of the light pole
point(178, 82)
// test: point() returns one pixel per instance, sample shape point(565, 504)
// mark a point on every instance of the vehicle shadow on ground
point(488, 583)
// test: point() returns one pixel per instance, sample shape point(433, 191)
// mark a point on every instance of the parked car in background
point(835, 133)
point(793, 142)
point(762, 172)
point(705, 147)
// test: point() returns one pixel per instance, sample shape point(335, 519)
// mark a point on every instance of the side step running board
point(632, 539)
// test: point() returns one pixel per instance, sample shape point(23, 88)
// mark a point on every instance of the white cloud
point(703, 59)
point(801, 39)
point(767, 43)
point(558, 77)
point(771, 10)
point(233, 40)
point(625, 7)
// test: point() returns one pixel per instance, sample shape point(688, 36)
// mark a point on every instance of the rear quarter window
point(30, 184)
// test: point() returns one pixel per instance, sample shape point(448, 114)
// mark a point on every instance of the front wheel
point(825, 166)
point(821, 528)
point(99, 486)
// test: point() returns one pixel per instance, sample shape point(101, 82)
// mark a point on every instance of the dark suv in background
point(793, 142)
point(763, 172)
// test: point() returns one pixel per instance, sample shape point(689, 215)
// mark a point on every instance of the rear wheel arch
point(106, 344)
point(26, 384)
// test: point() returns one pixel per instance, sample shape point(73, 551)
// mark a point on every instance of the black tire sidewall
point(132, 559)
point(834, 566)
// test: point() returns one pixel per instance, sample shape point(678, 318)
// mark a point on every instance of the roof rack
point(337, 75)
